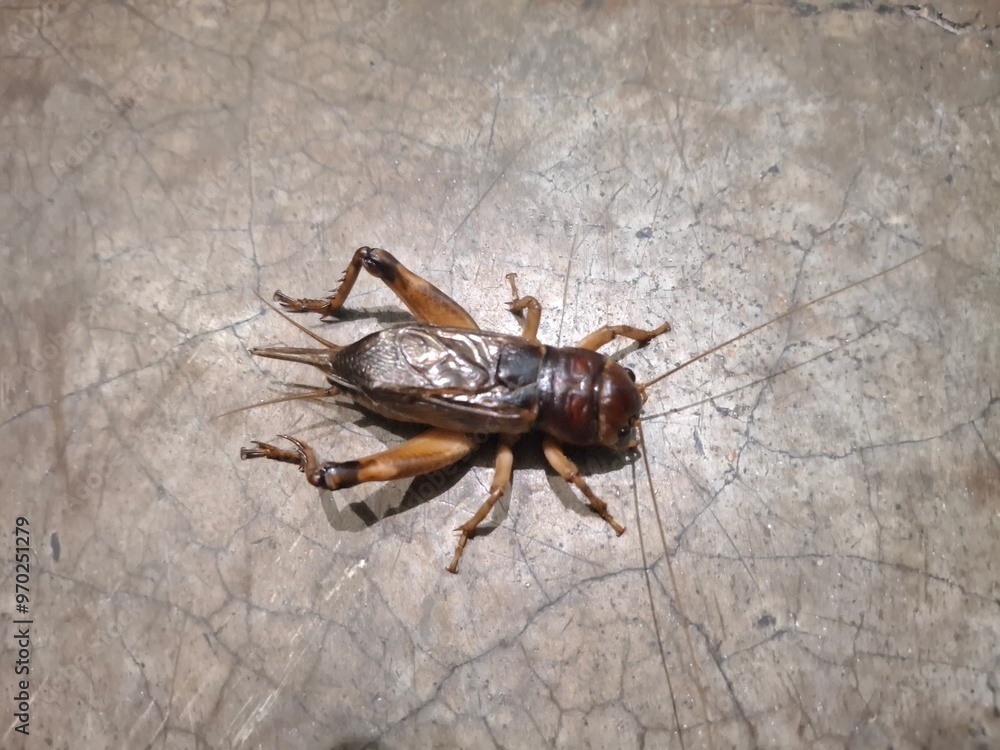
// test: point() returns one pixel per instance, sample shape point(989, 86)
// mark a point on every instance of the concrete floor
point(820, 566)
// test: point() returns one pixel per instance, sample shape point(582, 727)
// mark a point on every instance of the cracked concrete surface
point(820, 566)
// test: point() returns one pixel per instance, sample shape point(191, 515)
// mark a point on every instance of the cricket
point(444, 372)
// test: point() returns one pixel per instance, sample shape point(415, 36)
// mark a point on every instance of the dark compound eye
point(630, 373)
point(624, 432)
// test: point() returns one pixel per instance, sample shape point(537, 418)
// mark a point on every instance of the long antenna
point(782, 316)
point(649, 583)
point(685, 623)
point(764, 379)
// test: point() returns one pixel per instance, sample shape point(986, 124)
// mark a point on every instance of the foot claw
point(302, 455)
point(289, 303)
point(301, 305)
point(262, 450)
point(307, 458)
point(512, 278)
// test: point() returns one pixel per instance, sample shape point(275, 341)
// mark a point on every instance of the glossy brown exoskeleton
point(444, 372)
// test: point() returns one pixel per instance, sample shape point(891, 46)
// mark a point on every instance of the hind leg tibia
point(427, 303)
point(427, 452)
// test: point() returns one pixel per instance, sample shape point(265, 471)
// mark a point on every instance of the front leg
point(427, 303)
point(519, 304)
point(607, 334)
point(427, 452)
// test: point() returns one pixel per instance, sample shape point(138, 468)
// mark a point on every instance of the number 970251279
point(444, 372)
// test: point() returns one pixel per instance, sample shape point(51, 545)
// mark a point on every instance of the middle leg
point(607, 334)
point(568, 471)
point(501, 478)
point(534, 315)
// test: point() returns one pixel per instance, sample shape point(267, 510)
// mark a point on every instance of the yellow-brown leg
point(607, 334)
point(501, 478)
point(429, 451)
point(568, 471)
point(531, 318)
point(427, 303)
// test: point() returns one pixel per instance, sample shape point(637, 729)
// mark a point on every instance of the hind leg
point(502, 471)
point(427, 452)
point(568, 471)
point(427, 303)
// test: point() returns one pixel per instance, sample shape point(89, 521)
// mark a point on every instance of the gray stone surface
point(827, 490)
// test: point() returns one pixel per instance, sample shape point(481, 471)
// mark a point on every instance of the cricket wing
point(453, 378)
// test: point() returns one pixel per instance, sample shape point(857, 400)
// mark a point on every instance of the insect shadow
point(386, 316)
point(389, 501)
